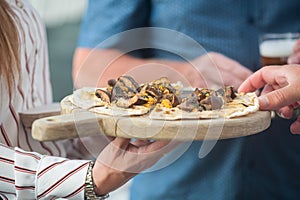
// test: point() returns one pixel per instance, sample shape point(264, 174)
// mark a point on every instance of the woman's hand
point(122, 159)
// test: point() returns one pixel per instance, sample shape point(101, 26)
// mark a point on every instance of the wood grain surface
point(79, 123)
point(27, 117)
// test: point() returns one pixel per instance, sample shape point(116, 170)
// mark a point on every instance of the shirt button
point(20, 4)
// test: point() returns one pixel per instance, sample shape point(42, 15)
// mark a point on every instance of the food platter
point(75, 122)
point(153, 111)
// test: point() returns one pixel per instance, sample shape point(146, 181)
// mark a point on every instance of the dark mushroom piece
point(126, 102)
point(212, 103)
point(227, 93)
point(203, 93)
point(164, 83)
point(190, 104)
point(141, 100)
point(174, 100)
point(103, 95)
point(154, 92)
point(125, 87)
point(129, 82)
point(111, 82)
point(124, 92)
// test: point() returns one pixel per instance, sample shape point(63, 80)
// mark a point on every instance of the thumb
point(295, 127)
point(276, 99)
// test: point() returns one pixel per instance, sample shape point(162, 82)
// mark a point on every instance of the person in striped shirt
point(40, 170)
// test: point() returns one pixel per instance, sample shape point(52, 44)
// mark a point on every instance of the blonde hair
point(9, 46)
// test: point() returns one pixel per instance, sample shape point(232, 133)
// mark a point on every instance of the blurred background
point(62, 19)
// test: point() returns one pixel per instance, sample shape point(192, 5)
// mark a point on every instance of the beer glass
point(275, 48)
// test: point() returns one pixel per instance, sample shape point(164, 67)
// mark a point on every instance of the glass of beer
point(275, 48)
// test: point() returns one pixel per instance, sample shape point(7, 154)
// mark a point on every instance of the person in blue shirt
point(114, 40)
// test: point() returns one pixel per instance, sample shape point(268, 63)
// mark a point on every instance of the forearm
point(32, 176)
point(96, 67)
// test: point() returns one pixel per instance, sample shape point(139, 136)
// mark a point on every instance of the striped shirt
point(24, 174)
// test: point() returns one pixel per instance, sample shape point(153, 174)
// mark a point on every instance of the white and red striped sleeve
point(29, 175)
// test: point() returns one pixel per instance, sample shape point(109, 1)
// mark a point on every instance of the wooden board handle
point(79, 124)
point(27, 117)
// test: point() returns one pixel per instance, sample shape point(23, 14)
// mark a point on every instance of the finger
point(285, 112)
point(140, 143)
point(160, 145)
point(271, 75)
point(110, 138)
point(154, 146)
point(277, 99)
point(295, 127)
point(121, 143)
point(252, 83)
point(296, 104)
point(267, 89)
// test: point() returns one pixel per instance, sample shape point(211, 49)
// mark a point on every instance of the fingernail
point(293, 60)
point(280, 114)
point(263, 102)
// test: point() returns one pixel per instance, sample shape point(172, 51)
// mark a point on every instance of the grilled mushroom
point(111, 82)
point(125, 87)
point(212, 102)
point(174, 100)
point(190, 104)
point(154, 92)
point(164, 84)
point(129, 82)
point(103, 95)
point(126, 102)
point(202, 99)
point(124, 92)
point(227, 93)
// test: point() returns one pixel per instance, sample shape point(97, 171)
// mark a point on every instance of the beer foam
point(277, 48)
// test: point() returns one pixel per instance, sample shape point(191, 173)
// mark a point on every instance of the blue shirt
point(264, 166)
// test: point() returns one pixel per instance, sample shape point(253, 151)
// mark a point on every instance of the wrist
point(91, 191)
point(107, 179)
point(101, 179)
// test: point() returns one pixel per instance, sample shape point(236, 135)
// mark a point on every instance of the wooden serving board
point(79, 123)
point(27, 117)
